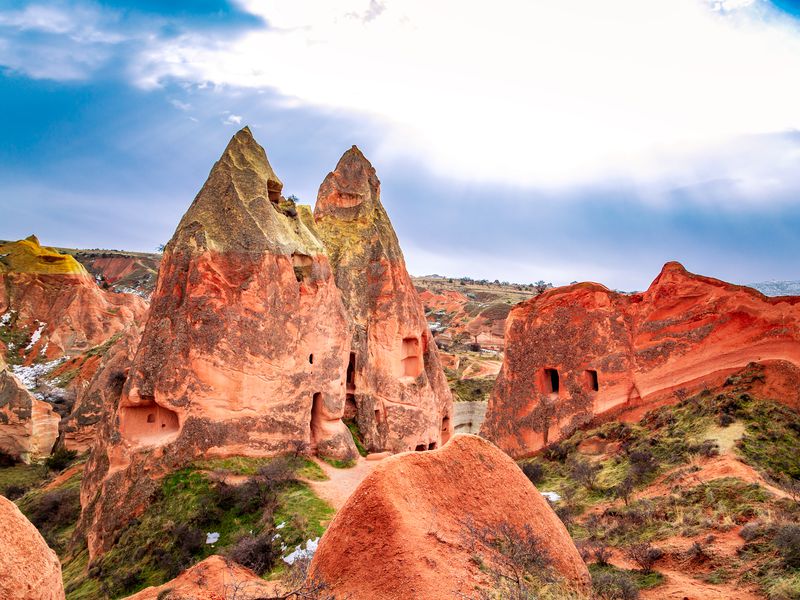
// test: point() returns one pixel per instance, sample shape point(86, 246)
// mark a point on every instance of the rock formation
point(28, 427)
point(29, 569)
point(50, 306)
point(405, 531)
point(245, 350)
point(98, 386)
point(580, 352)
point(396, 389)
point(215, 578)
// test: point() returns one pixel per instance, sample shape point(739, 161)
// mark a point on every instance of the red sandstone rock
point(402, 534)
point(29, 570)
point(215, 578)
point(396, 389)
point(245, 350)
point(28, 427)
point(98, 386)
point(582, 351)
point(51, 302)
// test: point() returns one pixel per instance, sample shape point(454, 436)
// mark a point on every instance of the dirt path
point(341, 482)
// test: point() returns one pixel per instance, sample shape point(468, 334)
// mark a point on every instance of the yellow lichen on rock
point(28, 256)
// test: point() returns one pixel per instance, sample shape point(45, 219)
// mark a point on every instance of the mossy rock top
point(28, 256)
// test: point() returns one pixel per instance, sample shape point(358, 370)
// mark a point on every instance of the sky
point(516, 140)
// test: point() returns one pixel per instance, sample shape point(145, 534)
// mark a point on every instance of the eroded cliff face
point(396, 389)
point(245, 350)
point(580, 352)
point(28, 426)
point(50, 306)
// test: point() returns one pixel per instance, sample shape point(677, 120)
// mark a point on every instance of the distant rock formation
point(50, 306)
point(29, 569)
point(406, 532)
point(244, 353)
point(215, 578)
point(580, 352)
point(28, 427)
point(396, 389)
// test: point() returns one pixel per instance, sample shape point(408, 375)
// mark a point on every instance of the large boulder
point(29, 569)
point(215, 578)
point(582, 352)
point(28, 426)
point(407, 530)
point(244, 353)
point(396, 389)
point(50, 306)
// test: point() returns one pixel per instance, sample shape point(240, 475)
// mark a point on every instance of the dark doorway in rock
point(551, 381)
point(412, 363)
point(351, 371)
point(377, 415)
point(311, 359)
point(420, 448)
point(591, 380)
point(316, 417)
point(432, 446)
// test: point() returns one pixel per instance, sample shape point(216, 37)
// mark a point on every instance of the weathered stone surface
point(98, 386)
point(396, 388)
point(215, 578)
point(468, 416)
point(50, 306)
point(245, 350)
point(28, 427)
point(403, 533)
point(615, 354)
point(29, 569)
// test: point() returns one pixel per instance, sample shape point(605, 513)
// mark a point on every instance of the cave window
point(411, 360)
point(302, 264)
point(420, 448)
point(311, 359)
point(151, 418)
point(445, 423)
point(377, 415)
point(551, 381)
point(432, 446)
point(591, 380)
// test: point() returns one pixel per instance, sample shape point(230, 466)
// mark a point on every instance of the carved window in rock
point(592, 381)
point(550, 382)
point(411, 358)
point(302, 264)
point(149, 423)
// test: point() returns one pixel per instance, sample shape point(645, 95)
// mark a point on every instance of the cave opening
point(412, 363)
point(592, 380)
point(552, 383)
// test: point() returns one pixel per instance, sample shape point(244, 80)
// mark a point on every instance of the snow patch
point(29, 376)
point(301, 553)
point(37, 335)
point(212, 537)
point(551, 496)
point(6, 318)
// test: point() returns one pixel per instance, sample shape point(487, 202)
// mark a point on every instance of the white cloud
point(523, 92)
point(232, 119)
point(180, 105)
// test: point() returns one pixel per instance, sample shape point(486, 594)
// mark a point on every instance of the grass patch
point(340, 464)
point(171, 534)
point(643, 581)
point(356, 433)
point(469, 390)
point(22, 477)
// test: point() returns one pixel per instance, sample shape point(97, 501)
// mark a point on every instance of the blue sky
point(529, 141)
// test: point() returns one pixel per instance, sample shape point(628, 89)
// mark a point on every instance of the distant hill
point(777, 288)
